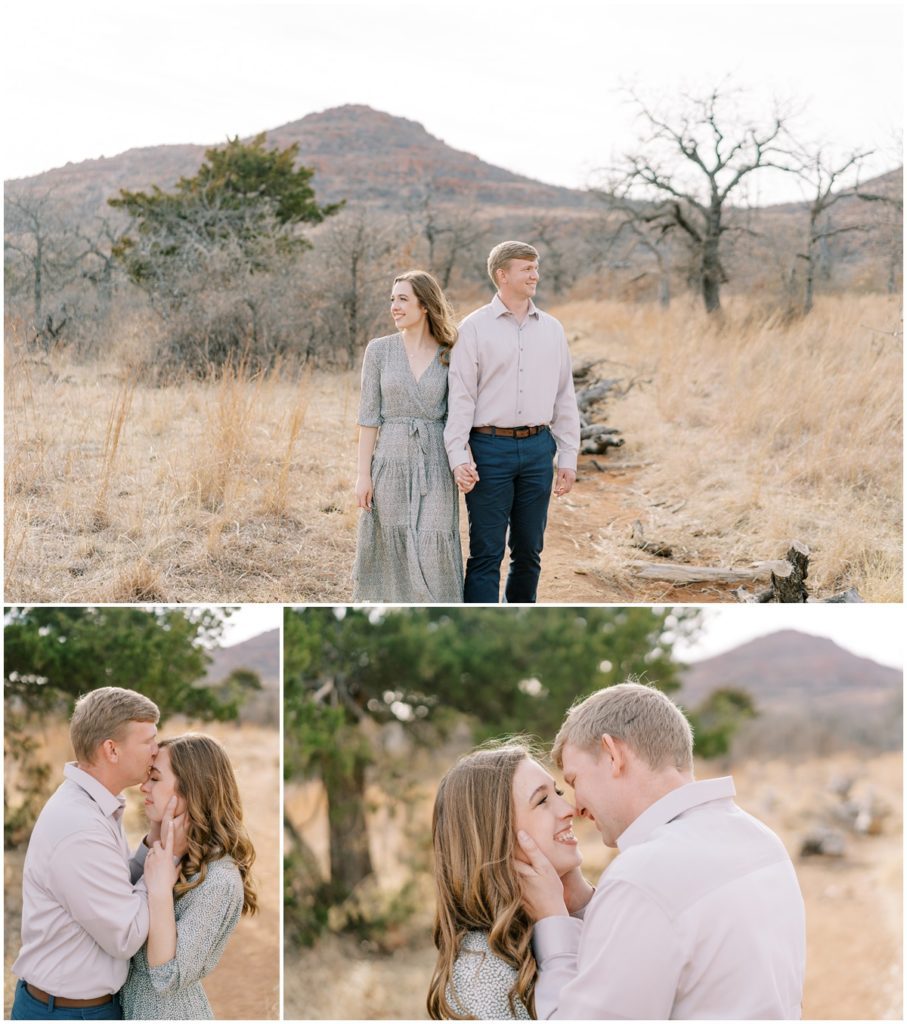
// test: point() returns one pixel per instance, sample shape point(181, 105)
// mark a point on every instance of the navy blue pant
point(509, 505)
point(26, 1007)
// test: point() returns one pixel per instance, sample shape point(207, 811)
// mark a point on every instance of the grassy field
point(245, 984)
point(741, 434)
point(853, 906)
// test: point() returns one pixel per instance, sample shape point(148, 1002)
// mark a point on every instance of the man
point(700, 915)
point(511, 401)
point(84, 904)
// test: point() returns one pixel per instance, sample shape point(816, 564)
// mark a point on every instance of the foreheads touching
point(650, 724)
point(115, 724)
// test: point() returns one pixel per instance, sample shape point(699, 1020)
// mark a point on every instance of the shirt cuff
point(141, 852)
point(566, 460)
point(556, 936)
point(460, 459)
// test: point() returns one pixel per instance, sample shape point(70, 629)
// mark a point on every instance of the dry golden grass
point(754, 431)
point(745, 433)
point(231, 490)
point(245, 983)
point(853, 907)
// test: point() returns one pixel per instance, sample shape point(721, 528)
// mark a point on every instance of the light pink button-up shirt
point(506, 374)
point(699, 917)
point(84, 903)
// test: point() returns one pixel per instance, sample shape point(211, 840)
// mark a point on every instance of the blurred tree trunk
point(351, 861)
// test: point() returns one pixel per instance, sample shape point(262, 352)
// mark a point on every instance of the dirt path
point(573, 562)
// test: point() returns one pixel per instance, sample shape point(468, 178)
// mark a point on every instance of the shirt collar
point(111, 806)
point(499, 309)
point(684, 798)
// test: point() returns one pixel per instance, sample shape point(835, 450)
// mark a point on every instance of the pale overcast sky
point(528, 86)
point(870, 630)
point(248, 620)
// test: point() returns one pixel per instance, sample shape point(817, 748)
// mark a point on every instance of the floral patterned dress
point(205, 917)
point(408, 546)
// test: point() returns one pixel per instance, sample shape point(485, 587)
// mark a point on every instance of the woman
point(195, 904)
point(485, 966)
point(408, 547)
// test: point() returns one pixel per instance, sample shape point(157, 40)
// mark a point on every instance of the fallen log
point(674, 572)
point(599, 444)
point(597, 428)
point(654, 547)
point(788, 584)
point(591, 393)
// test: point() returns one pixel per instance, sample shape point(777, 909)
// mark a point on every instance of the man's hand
point(577, 891)
point(543, 891)
point(466, 476)
point(566, 478)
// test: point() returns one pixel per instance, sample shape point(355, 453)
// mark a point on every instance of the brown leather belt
point(510, 431)
point(44, 997)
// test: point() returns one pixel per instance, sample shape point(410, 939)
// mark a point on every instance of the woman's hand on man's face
point(543, 891)
point(161, 863)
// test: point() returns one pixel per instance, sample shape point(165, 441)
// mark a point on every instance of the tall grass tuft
point(276, 499)
point(113, 434)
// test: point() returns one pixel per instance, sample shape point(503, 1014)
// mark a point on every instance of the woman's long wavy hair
point(474, 839)
point(438, 310)
point(214, 825)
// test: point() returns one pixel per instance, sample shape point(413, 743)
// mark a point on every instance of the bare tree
point(350, 281)
point(449, 230)
point(822, 174)
point(647, 225)
point(892, 222)
point(691, 164)
point(554, 244)
point(42, 247)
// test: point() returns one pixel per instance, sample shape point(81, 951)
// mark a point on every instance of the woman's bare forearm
point(368, 436)
point(161, 929)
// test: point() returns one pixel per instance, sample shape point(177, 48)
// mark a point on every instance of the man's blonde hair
point(650, 723)
point(504, 252)
point(103, 714)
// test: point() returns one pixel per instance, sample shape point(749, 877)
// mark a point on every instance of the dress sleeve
point(481, 987)
point(201, 934)
point(370, 395)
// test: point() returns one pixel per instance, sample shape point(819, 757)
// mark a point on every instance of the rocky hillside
point(811, 694)
point(261, 655)
point(359, 154)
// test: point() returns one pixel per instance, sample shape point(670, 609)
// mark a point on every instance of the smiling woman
point(408, 544)
point(485, 966)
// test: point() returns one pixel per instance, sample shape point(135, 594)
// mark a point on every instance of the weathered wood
point(823, 842)
point(788, 581)
point(788, 584)
point(600, 444)
point(672, 572)
point(849, 596)
point(586, 396)
point(654, 547)
point(597, 428)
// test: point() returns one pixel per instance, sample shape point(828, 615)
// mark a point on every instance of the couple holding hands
point(484, 408)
